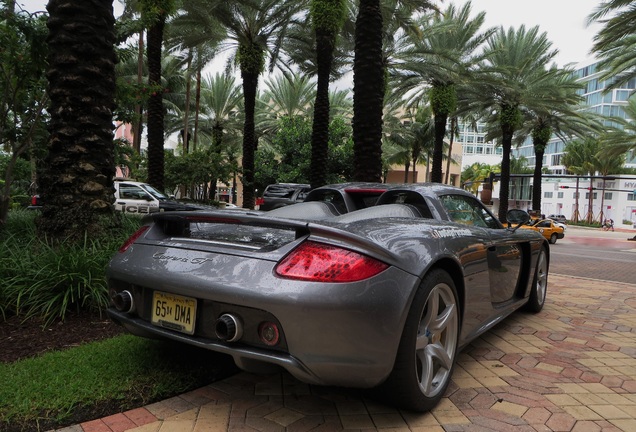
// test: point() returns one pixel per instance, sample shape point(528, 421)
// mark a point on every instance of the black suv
point(282, 194)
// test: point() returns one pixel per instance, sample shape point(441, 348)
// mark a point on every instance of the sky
point(564, 21)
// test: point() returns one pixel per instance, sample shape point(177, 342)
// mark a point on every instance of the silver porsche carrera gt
point(380, 297)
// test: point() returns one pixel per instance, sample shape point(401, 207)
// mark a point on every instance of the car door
point(503, 253)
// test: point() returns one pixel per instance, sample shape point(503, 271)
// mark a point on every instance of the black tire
point(430, 337)
point(539, 288)
point(553, 239)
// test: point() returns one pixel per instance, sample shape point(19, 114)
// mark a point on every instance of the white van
point(137, 197)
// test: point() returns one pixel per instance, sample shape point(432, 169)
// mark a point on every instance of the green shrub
point(37, 279)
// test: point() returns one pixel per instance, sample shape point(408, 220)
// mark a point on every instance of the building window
point(559, 194)
point(587, 195)
point(631, 197)
point(547, 194)
point(622, 95)
point(608, 195)
point(576, 195)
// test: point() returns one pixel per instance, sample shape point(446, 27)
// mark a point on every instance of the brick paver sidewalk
point(570, 368)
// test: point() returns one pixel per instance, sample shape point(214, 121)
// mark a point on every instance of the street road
point(596, 254)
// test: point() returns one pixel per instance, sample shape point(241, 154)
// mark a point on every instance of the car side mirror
point(517, 217)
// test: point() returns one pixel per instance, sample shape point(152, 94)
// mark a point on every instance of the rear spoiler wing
point(318, 231)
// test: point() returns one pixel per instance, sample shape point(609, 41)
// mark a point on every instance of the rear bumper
point(243, 357)
point(335, 368)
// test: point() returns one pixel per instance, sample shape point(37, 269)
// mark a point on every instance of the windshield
point(154, 192)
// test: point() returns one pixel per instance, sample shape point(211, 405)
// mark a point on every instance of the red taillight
point(34, 200)
point(133, 238)
point(317, 262)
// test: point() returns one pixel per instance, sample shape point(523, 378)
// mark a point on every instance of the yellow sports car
point(547, 228)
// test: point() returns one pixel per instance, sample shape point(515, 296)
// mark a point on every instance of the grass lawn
point(101, 378)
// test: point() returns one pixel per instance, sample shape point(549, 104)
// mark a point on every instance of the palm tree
point(368, 93)
point(369, 69)
point(340, 103)
point(155, 12)
point(200, 35)
point(619, 141)
point(424, 139)
point(396, 150)
point(581, 158)
point(510, 78)
point(560, 114)
point(129, 24)
point(289, 95)
point(438, 62)
point(254, 30)
point(519, 165)
point(285, 95)
point(473, 175)
point(220, 100)
point(23, 97)
point(77, 178)
point(615, 43)
point(327, 16)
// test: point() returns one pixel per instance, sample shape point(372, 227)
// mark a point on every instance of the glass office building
point(609, 104)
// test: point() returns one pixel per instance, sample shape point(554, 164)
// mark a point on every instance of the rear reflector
point(317, 262)
point(133, 238)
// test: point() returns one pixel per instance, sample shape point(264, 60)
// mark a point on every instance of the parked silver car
point(382, 297)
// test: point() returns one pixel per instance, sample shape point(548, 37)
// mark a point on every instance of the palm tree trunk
point(438, 153)
point(138, 123)
point(504, 182)
point(536, 190)
point(413, 177)
point(186, 114)
point(77, 178)
point(197, 110)
point(320, 129)
point(602, 214)
point(250, 83)
point(590, 201)
point(368, 93)
point(155, 105)
point(450, 148)
point(576, 216)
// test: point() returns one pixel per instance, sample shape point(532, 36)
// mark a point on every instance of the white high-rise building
point(609, 104)
point(476, 149)
point(614, 197)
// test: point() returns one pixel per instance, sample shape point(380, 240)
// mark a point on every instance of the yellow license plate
point(174, 312)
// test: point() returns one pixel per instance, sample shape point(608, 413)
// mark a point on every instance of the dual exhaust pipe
point(124, 302)
point(227, 327)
